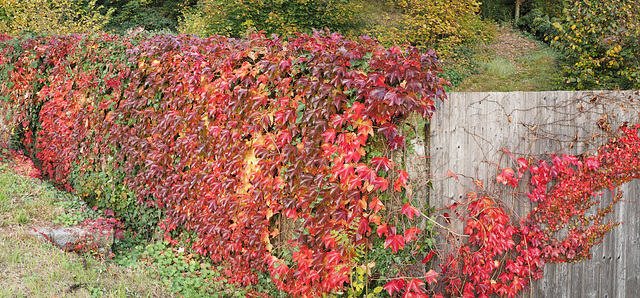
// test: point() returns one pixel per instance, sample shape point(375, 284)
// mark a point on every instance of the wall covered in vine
point(277, 155)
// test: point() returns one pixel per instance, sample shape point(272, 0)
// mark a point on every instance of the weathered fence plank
point(470, 134)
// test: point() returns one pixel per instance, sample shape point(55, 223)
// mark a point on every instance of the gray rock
point(69, 238)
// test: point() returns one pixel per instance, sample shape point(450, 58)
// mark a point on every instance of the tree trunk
point(518, 2)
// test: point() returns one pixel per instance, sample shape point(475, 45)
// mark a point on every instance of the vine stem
point(441, 226)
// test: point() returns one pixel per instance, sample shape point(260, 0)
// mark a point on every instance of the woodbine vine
point(230, 137)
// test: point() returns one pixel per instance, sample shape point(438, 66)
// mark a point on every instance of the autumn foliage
point(598, 42)
point(51, 16)
point(235, 138)
point(504, 254)
point(230, 137)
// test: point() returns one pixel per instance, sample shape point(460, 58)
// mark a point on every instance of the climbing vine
point(261, 147)
point(501, 254)
point(230, 137)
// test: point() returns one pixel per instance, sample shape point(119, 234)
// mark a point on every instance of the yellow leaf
point(269, 213)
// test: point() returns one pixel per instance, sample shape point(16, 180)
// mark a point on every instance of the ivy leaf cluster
point(233, 139)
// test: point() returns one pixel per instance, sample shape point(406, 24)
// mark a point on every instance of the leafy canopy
point(153, 15)
point(59, 17)
point(429, 24)
point(283, 17)
point(599, 43)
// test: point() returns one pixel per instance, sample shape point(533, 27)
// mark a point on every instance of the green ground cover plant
point(33, 267)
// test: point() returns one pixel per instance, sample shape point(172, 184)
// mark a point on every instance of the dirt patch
point(511, 62)
point(510, 45)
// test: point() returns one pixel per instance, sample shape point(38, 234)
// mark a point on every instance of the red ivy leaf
point(339, 120)
point(382, 229)
point(357, 109)
point(388, 129)
point(381, 162)
point(451, 174)
point(410, 233)
point(415, 285)
point(428, 257)
point(380, 183)
point(512, 266)
point(378, 93)
point(333, 257)
point(401, 181)
point(395, 241)
point(592, 163)
point(468, 291)
point(394, 286)
point(447, 217)
point(390, 97)
point(570, 159)
point(376, 205)
point(329, 241)
point(507, 177)
point(365, 173)
point(291, 213)
point(329, 135)
point(409, 210)
point(343, 170)
point(414, 295)
point(431, 276)
point(364, 226)
point(523, 163)
point(396, 142)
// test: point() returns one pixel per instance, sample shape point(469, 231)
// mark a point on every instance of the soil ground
point(512, 62)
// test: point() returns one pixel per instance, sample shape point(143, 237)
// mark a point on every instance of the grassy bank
point(30, 267)
point(512, 62)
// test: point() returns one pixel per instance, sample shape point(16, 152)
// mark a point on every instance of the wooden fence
point(470, 133)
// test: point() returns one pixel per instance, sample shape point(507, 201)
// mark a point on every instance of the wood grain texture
point(470, 134)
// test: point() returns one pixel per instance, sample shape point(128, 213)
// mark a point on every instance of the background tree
point(150, 14)
point(599, 44)
point(439, 24)
point(517, 16)
point(233, 18)
point(511, 10)
point(51, 16)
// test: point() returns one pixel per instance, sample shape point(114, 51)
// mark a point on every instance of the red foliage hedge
point(229, 135)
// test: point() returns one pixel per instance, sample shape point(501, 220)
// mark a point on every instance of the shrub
point(234, 139)
point(599, 44)
point(51, 16)
point(504, 10)
point(151, 15)
point(283, 17)
point(498, 10)
point(428, 24)
point(538, 23)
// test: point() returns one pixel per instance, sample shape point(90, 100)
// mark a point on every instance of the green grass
point(24, 200)
point(530, 70)
point(30, 267)
point(500, 67)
